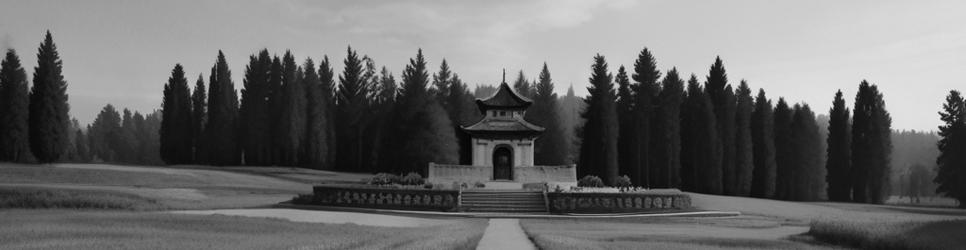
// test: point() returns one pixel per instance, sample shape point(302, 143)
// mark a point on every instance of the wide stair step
point(503, 201)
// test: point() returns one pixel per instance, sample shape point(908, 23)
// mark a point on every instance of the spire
point(504, 74)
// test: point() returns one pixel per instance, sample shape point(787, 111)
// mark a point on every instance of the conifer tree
point(838, 162)
point(763, 139)
point(105, 134)
point(951, 163)
point(176, 143)
point(327, 86)
point(722, 97)
point(255, 112)
point(198, 120)
point(382, 107)
point(222, 112)
point(48, 121)
point(871, 145)
point(351, 105)
point(744, 151)
point(700, 145)
point(462, 112)
point(441, 83)
point(667, 139)
point(315, 153)
point(291, 129)
point(522, 86)
point(14, 112)
point(783, 150)
point(805, 174)
point(550, 148)
point(598, 151)
point(645, 90)
point(628, 155)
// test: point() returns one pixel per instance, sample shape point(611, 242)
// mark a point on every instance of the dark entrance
point(502, 164)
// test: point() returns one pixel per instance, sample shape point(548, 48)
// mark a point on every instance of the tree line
point(716, 137)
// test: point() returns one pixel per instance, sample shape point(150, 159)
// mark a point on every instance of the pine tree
point(198, 120)
point(628, 151)
point(744, 148)
point(598, 151)
point(806, 173)
point(462, 111)
point(48, 120)
point(104, 134)
point(645, 90)
point(951, 163)
point(351, 105)
point(667, 139)
point(291, 130)
point(327, 79)
point(255, 113)
point(722, 97)
point(763, 139)
point(838, 164)
point(522, 86)
point(222, 111)
point(550, 148)
point(315, 153)
point(700, 145)
point(176, 143)
point(441, 83)
point(871, 145)
point(783, 150)
point(14, 112)
point(382, 107)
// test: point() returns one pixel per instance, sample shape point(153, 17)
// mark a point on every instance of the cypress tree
point(667, 141)
point(723, 99)
point(198, 120)
point(871, 145)
point(806, 173)
point(383, 108)
point(441, 83)
point(462, 110)
point(315, 153)
point(222, 111)
point(291, 130)
point(763, 139)
point(14, 112)
point(600, 132)
point(951, 163)
point(255, 111)
point(628, 157)
point(176, 143)
point(522, 86)
point(327, 86)
point(744, 148)
point(645, 90)
point(550, 149)
point(700, 145)
point(838, 163)
point(783, 150)
point(48, 120)
point(350, 105)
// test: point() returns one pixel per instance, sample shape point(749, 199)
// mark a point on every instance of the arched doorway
point(502, 164)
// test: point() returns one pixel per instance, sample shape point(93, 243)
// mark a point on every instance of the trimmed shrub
point(624, 183)
point(412, 179)
point(479, 185)
point(383, 179)
point(590, 181)
point(428, 186)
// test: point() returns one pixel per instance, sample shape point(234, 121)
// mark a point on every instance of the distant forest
point(661, 128)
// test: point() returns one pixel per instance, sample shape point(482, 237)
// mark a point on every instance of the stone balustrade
point(386, 198)
point(449, 173)
point(629, 202)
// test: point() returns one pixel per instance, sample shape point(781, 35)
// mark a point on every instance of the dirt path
point(505, 234)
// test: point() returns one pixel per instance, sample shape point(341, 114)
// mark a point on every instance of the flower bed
point(607, 202)
point(387, 198)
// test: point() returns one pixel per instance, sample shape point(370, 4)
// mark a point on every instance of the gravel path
point(505, 234)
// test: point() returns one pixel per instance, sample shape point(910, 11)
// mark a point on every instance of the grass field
point(86, 229)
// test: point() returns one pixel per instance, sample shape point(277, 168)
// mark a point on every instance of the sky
point(122, 52)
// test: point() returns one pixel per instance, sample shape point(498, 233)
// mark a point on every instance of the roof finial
point(504, 74)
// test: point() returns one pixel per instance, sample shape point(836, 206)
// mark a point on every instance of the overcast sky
point(122, 52)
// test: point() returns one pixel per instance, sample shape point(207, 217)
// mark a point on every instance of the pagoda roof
point(503, 125)
point(504, 98)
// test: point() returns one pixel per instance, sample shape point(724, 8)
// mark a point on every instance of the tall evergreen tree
point(291, 129)
point(628, 148)
point(744, 148)
point(783, 150)
point(951, 163)
point(667, 138)
point(550, 148)
point(382, 107)
point(222, 112)
point(105, 134)
point(255, 112)
point(723, 99)
point(48, 120)
point(462, 110)
point(522, 86)
point(645, 89)
point(327, 86)
point(700, 145)
point(805, 174)
point(14, 112)
point(351, 103)
point(871, 145)
point(441, 83)
point(315, 153)
point(763, 139)
point(838, 162)
point(199, 111)
point(598, 151)
point(176, 143)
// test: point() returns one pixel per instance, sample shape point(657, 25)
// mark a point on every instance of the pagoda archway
point(503, 163)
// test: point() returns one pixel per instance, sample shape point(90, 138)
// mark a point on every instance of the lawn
point(945, 234)
point(89, 229)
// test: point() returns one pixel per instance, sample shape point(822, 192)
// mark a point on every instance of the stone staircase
point(503, 201)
